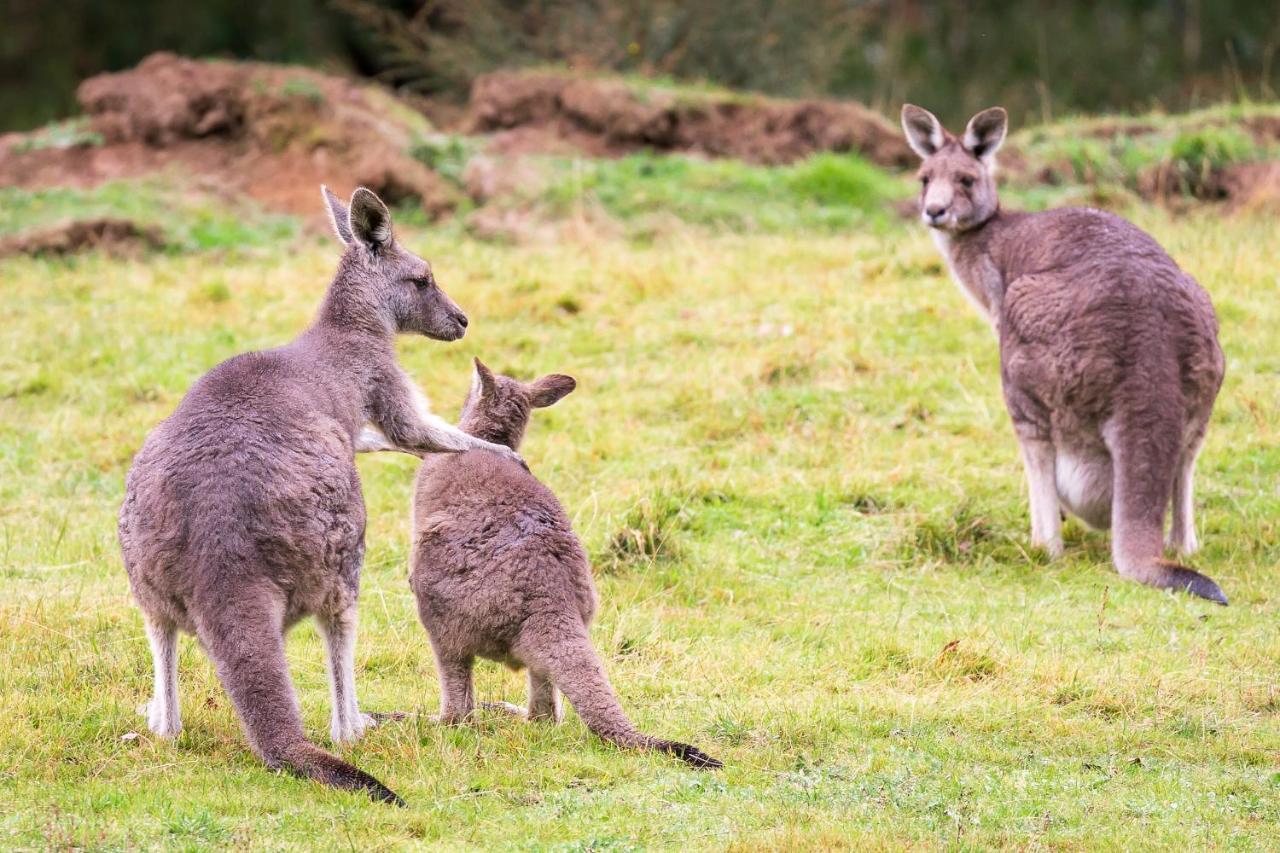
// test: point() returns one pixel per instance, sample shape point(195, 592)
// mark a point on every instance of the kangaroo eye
point(966, 182)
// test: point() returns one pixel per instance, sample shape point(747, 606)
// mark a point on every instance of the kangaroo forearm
point(430, 435)
point(401, 413)
point(371, 440)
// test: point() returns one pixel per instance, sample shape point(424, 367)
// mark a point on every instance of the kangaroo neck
point(345, 314)
point(970, 259)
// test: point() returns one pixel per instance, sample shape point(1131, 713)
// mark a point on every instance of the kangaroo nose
point(462, 320)
point(935, 210)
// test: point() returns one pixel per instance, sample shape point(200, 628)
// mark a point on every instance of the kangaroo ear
point(483, 383)
point(369, 219)
point(924, 132)
point(338, 216)
point(985, 133)
point(550, 390)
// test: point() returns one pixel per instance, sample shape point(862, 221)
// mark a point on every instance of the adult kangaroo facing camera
point(1109, 354)
point(243, 511)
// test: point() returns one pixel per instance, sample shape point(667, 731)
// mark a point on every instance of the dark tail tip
point(1194, 583)
point(690, 755)
point(380, 793)
point(313, 762)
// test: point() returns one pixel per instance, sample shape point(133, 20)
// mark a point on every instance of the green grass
point(190, 221)
point(646, 194)
point(444, 154)
point(1116, 151)
point(825, 193)
point(789, 459)
point(61, 134)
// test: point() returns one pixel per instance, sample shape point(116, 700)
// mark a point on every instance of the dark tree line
point(1040, 58)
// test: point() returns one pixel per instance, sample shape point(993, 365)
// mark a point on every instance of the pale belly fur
point(1084, 486)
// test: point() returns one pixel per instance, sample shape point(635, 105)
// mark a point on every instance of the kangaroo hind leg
point(544, 698)
point(1182, 529)
point(162, 712)
point(1144, 459)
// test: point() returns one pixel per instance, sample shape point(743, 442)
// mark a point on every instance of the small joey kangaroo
point(243, 512)
point(499, 574)
point(1109, 355)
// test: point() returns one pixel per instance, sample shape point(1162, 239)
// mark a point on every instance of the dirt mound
point(116, 236)
point(608, 117)
point(272, 132)
point(1238, 186)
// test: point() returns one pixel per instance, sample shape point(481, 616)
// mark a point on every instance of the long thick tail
point(1143, 467)
point(245, 638)
point(574, 667)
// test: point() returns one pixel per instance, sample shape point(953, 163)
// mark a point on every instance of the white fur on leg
point(347, 724)
point(1046, 521)
point(1182, 529)
point(163, 716)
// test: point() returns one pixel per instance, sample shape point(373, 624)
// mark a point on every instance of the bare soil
point(544, 112)
point(116, 236)
point(274, 133)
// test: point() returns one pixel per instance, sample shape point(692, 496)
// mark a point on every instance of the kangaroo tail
point(573, 666)
point(1164, 574)
point(1142, 493)
point(245, 638)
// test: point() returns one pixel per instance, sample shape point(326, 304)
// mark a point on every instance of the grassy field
point(789, 458)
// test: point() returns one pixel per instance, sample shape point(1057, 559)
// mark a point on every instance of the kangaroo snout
point(934, 213)
point(457, 326)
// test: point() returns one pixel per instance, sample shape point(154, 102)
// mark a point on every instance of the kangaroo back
point(564, 653)
point(244, 635)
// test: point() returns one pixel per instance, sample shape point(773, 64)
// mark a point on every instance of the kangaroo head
point(957, 177)
point(380, 284)
point(498, 407)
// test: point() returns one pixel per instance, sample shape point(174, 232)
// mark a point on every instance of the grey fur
point(499, 574)
point(1109, 354)
point(243, 512)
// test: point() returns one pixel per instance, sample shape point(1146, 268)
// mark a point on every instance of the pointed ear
point(369, 219)
point(550, 390)
point(985, 133)
point(337, 215)
point(924, 132)
point(483, 382)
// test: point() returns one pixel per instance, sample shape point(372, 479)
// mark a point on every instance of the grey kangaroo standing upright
point(1109, 354)
point(243, 511)
point(499, 573)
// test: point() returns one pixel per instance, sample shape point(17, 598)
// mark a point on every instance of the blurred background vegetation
point(1040, 58)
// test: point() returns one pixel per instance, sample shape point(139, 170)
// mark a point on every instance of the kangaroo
point(1109, 355)
point(499, 574)
point(243, 511)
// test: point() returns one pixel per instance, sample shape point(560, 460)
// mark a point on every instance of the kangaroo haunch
point(499, 573)
point(1109, 353)
point(243, 511)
